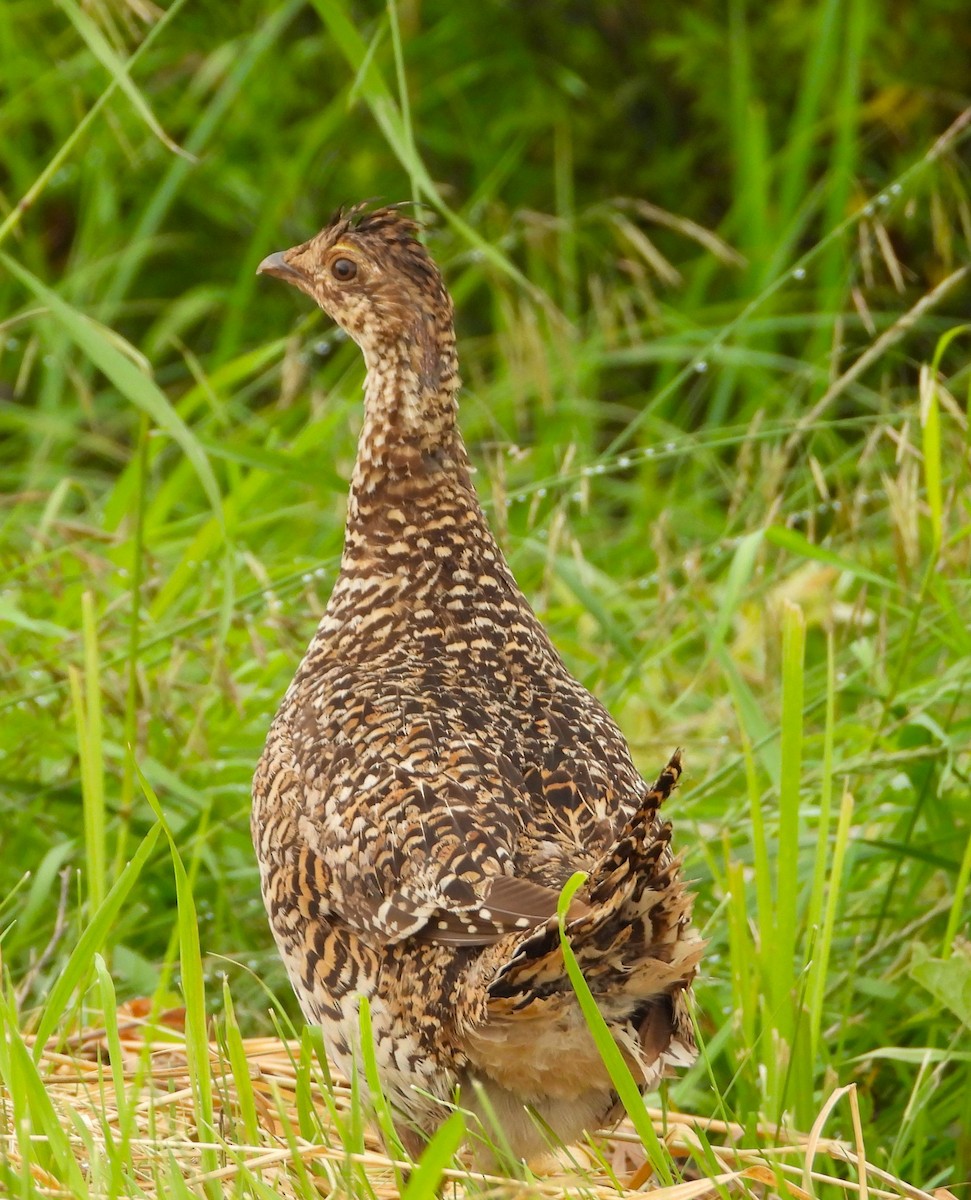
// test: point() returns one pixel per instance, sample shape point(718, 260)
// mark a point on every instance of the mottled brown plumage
point(434, 774)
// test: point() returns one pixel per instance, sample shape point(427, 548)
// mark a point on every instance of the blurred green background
point(709, 259)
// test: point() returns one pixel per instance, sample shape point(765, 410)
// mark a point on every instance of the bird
point(435, 775)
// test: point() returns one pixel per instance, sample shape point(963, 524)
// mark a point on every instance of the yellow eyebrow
point(345, 246)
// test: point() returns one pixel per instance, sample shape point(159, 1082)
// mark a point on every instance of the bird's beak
point(276, 264)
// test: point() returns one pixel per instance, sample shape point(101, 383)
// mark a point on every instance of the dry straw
point(154, 1120)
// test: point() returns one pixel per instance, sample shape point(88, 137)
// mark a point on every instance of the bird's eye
point(343, 269)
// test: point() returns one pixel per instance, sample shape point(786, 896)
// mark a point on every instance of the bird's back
point(431, 709)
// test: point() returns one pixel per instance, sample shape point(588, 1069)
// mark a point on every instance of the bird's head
point(367, 270)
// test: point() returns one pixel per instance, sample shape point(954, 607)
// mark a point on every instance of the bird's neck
point(413, 510)
point(416, 536)
point(410, 401)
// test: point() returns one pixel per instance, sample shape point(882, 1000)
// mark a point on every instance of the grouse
point(435, 775)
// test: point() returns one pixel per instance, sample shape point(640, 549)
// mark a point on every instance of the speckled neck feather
point(411, 394)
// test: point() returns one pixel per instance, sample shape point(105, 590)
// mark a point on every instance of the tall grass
point(710, 271)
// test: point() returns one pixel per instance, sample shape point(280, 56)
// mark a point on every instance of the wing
point(425, 847)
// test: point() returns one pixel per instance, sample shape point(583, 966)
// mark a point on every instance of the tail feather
point(643, 841)
point(633, 941)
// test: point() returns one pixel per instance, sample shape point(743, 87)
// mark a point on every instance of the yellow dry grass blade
point(155, 1122)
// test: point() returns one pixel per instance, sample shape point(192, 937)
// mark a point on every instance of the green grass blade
point(842, 170)
point(62, 154)
point(819, 971)
point(377, 95)
point(130, 729)
point(797, 543)
point(425, 1180)
point(620, 1076)
point(958, 915)
point(90, 748)
point(739, 575)
point(404, 107)
point(748, 134)
point(820, 66)
point(236, 1053)
point(193, 989)
point(379, 1101)
point(99, 47)
point(132, 383)
point(25, 1085)
point(761, 860)
point(96, 934)
point(741, 958)
point(397, 134)
point(109, 1015)
point(749, 714)
point(782, 948)
point(930, 420)
point(814, 912)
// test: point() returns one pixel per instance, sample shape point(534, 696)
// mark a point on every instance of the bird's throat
point(410, 400)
